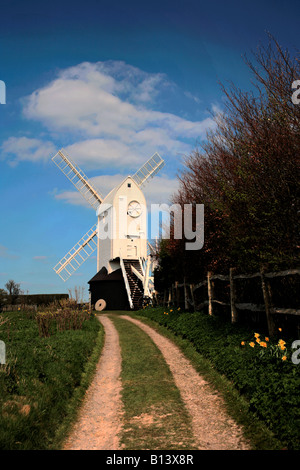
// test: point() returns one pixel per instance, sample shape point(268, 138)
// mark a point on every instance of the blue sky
point(112, 82)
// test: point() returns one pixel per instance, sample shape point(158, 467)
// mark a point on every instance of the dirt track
point(101, 414)
point(100, 419)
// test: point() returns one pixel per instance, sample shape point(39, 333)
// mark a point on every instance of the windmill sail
point(78, 178)
point(77, 255)
point(149, 169)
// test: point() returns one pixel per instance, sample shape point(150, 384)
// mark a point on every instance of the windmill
point(119, 236)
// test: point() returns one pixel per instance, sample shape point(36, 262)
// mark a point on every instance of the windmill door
point(132, 250)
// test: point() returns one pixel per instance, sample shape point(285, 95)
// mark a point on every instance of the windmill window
point(129, 185)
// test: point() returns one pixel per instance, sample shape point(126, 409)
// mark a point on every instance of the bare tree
point(77, 295)
point(247, 175)
point(13, 289)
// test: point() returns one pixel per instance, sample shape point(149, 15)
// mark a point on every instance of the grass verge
point(43, 380)
point(237, 404)
point(154, 414)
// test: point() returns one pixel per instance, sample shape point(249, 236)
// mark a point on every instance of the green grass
point(260, 392)
point(154, 414)
point(43, 380)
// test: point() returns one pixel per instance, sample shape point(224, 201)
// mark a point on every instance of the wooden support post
point(234, 313)
point(267, 299)
point(210, 293)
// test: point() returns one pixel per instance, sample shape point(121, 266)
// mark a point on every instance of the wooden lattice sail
point(78, 178)
point(77, 255)
point(149, 169)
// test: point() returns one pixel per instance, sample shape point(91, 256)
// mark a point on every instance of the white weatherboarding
point(120, 234)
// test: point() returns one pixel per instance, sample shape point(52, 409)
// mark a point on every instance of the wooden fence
point(186, 295)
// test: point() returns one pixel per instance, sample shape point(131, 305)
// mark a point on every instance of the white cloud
point(72, 197)
point(110, 111)
point(157, 191)
point(101, 153)
point(192, 97)
point(160, 190)
point(16, 149)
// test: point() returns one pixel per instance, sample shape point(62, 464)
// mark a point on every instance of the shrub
point(60, 316)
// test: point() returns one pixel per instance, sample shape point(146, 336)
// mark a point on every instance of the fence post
point(210, 293)
point(192, 295)
point(170, 298)
point(266, 292)
point(173, 295)
point(165, 295)
point(177, 294)
point(234, 313)
point(186, 304)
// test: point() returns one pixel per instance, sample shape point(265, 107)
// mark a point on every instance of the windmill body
point(119, 237)
point(122, 226)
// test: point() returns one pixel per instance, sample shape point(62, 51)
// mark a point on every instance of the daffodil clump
point(147, 305)
point(261, 368)
point(278, 349)
point(166, 312)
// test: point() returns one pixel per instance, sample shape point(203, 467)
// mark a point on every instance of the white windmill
point(120, 234)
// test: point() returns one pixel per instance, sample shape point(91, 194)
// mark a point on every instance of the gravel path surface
point(213, 428)
point(101, 414)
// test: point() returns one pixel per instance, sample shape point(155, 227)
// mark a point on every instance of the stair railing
point(126, 282)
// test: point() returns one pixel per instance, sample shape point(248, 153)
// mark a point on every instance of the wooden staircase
point(135, 284)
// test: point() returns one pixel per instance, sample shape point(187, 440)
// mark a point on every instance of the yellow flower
point(284, 358)
point(266, 338)
point(243, 343)
point(258, 340)
point(252, 344)
point(171, 310)
point(263, 344)
point(281, 344)
point(256, 335)
point(279, 329)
